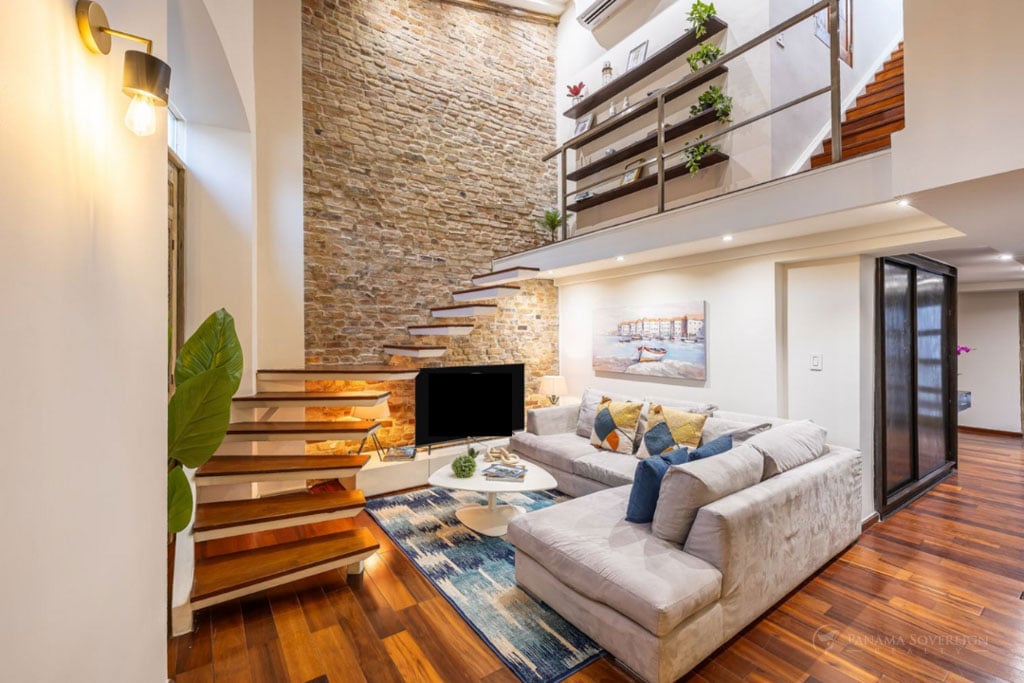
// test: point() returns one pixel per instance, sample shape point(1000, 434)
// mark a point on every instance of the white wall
point(953, 50)
point(803, 65)
point(83, 289)
point(989, 323)
point(279, 218)
point(765, 316)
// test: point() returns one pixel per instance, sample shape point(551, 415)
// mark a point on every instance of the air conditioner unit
point(597, 12)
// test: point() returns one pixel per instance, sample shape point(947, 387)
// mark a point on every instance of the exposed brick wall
point(424, 125)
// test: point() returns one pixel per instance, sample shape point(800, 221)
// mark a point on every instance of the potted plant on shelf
point(576, 92)
point(699, 14)
point(206, 376)
point(552, 221)
point(704, 55)
point(696, 152)
point(713, 97)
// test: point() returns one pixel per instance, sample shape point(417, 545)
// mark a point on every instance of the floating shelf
point(677, 48)
point(638, 110)
point(651, 180)
point(672, 132)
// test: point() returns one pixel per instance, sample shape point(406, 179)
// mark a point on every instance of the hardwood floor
point(931, 594)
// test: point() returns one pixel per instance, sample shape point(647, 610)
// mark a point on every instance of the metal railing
point(680, 86)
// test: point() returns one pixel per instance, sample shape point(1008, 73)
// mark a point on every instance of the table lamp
point(553, 386)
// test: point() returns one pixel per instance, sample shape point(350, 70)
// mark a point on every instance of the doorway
point(175, 262)
point(916, 378)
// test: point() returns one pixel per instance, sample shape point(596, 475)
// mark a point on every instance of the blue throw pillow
point(719, 445)
point(643, 498)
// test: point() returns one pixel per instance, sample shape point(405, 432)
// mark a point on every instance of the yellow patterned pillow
point(615, 425)
point(668, 429)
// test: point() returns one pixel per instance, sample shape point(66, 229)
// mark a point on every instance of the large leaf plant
point(206, 375)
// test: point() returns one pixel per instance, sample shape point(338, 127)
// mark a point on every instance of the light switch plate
point(817, 362)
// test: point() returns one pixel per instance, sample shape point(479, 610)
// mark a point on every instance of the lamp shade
point(146, 75)
point(381, 411)
point(553, 385)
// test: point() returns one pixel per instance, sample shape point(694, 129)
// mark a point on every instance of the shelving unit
point(650, 142)
point(677, 48)
point(643, 183)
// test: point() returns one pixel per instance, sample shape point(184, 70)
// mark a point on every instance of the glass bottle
point(606, 73)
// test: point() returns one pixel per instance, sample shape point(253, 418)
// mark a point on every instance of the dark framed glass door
point(916, 378)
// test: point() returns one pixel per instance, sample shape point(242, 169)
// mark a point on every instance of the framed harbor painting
point(665, 340)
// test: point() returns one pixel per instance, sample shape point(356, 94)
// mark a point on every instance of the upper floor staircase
point(877, 114)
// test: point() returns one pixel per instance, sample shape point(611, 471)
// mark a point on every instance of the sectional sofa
point(731, 535)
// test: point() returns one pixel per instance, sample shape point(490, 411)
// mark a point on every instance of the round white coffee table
point(491, 519)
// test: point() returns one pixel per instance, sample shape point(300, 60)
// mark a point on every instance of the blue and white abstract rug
point(476, 574)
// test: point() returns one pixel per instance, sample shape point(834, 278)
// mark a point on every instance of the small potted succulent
point(464, 466)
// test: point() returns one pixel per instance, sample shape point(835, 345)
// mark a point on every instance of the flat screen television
point(469, 401)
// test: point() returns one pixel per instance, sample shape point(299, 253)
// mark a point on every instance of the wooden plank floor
point(931, 594)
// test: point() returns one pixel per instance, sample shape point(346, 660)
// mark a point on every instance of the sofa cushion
point(611, 469)
point(643, 497)
point(668, 429)
point(587, 544)
point(750, 418)
point(675, 404)
point(722, 444)
point(688, 487)
point(715, 427)
point(789, 445)
point(588, 409)
point(553, 450)
point(615, 425)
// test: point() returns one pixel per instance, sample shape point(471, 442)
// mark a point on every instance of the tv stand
point(377, 477)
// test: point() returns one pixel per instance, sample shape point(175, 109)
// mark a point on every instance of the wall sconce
point(146, 78)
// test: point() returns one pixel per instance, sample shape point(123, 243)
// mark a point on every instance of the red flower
point(576, 90)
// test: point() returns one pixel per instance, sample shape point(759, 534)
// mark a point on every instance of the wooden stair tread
point(353, 426)
point(453, 329)
point(866, 135)
point(513, 274)
point(339, 373)
point(236, 512)
point(485, 288)
point(886, 93)
point(465, 305)
point(823, 159)
point(262, 464)
point(227, 573)
point(303, 396)
point(415, 347)
point(860, 112)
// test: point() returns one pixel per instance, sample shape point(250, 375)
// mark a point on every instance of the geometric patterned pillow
point(615, 425)
point(668, 429)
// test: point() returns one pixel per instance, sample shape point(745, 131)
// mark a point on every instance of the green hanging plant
point(704, 55)
point(207, 374)
point(699, 14)
point(696, 152)
point(464, 466)
point(713, 97)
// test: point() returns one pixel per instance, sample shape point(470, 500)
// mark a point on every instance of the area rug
point(476, 574)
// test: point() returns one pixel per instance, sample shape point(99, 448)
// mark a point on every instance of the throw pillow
point(687, 488)
point(719, 445)
point(643, 497)
point(589, 403)
point(790, 445)
point(674, 404)
point(740, 431)
point(668, 429)
point(615, 425)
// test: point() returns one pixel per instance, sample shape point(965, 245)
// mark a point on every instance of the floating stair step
point(226, 577)
point(311, 399)
point(499, 277)
point(464, 311)
point(242, 469)
point(340, 373)
point(875, 120)
point(823, 159)
point(416, 351)
point(441, 330)
point(237, 517)
point(354, 430)
point(490, 292)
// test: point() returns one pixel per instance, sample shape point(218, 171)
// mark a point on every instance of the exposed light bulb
point(141, 116)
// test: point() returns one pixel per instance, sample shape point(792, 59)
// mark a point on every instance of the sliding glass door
point(915, 399)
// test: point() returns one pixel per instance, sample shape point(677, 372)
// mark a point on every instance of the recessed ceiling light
point(727, 238)
point(1006, 257)
point(904, 202)
point(620, 258)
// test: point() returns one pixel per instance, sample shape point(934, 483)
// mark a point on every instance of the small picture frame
point(636, 56)
point(583, 125)
point(633, 171)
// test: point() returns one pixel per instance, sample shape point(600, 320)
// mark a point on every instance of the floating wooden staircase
point(228, 515)
point(877, 114)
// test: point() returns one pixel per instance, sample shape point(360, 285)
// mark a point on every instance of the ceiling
point(981, 264)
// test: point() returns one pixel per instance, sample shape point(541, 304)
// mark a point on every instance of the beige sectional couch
point(732, 535)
